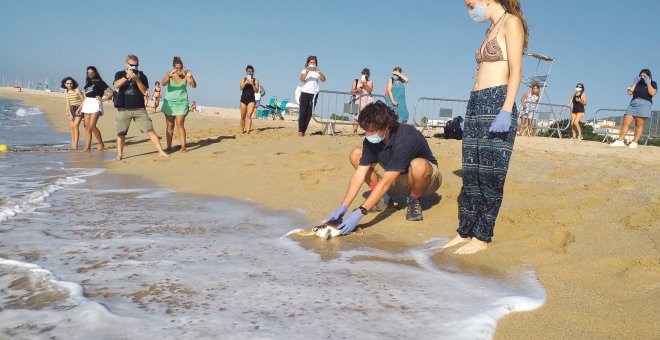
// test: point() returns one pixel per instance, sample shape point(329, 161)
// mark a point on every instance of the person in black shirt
point(642, 90)
point(405, 156)
point(131, 86)
point(92, 107)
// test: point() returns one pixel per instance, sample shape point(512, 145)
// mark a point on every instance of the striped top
point(73, 97)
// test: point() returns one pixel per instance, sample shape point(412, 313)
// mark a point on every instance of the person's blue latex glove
point(502, 122)
point(647, 80)
point(337, 214)
point(350, 222)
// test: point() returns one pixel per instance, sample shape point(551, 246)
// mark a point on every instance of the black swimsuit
point(247, 96)
point(577, 106)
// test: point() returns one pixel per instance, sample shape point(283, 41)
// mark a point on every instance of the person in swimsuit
point(642, 91)
point(362, 89)
point(579, 101)
point(92, 107)
point(530, 102)
point(157, 95)
point(490, 121)
point(176, 105)
point(249, 86)
point(73, 109)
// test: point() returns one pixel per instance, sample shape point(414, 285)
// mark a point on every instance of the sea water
point(89, 255)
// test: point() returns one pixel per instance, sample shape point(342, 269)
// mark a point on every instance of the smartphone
point(364, 77)
point(249, 76)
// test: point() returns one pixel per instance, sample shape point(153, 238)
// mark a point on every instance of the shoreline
point(586, 258)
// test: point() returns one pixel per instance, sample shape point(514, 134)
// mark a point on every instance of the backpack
point(453, 129)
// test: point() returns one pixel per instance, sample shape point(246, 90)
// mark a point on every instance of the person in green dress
point(395, 94)
point(175, 105)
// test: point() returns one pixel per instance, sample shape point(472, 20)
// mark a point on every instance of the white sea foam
point(199, 267)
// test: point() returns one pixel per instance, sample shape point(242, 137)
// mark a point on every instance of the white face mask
point(478, 13)
point(375, 138)
point(577, 89)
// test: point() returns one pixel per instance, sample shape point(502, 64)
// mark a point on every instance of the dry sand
point(584, 214)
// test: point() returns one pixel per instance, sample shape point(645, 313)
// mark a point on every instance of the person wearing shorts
point(131, 86)
point(92, 107)
point(73, 109)
point(579, 101)
point(403, 152)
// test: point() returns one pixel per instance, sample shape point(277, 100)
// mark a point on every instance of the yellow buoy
point(4, 147)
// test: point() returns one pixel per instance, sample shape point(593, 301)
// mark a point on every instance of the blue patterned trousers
point(485, 163)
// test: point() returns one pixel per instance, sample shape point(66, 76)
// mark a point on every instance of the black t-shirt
point(642, 90)
point(133, 98)
point(95, 89)
point(405, 144)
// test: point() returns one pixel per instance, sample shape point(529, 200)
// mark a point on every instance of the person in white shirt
point(311, 77)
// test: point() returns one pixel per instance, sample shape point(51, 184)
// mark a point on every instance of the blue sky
point(603, 44)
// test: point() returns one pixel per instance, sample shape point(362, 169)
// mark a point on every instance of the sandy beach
point(583, 214)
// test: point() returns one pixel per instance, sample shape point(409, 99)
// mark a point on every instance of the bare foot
point(456, 240)
point(183, 150)
point(163, 154)
point(118, 158)
point(474, 246)
point(86, 150)
point(100, 148)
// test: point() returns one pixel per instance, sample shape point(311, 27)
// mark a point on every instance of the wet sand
point(584, 214)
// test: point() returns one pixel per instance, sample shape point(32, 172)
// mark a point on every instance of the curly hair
point(378, 116)
point(75, 83)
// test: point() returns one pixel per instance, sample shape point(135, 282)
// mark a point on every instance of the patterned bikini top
point(491, 51)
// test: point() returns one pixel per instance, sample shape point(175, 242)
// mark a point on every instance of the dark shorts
point(73, 110)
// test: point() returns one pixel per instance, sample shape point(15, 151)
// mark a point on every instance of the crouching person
point(406, 158)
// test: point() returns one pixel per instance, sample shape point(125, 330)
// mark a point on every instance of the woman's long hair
point(98, 76)
point(513, 7)
point(647, 72)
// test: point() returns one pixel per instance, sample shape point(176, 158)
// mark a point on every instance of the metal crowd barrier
point(337, 108)
point(433, 113)
point(608, 122)
point(548, 117)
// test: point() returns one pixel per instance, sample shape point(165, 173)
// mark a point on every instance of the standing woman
point(93, 107)
point(579, 101)
point(157, 95)
point(395, 94)
point(73, 109)
point(311, 77)
point(642, 90)
point(175, 105)
point(530, 102)
point(362, 89)
point(490, 122)
point(249, 86)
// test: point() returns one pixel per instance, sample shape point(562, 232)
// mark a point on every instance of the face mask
point(375, 138)
point(91, 75)
point(395, 77)
point(478, 13)
point(578, 89)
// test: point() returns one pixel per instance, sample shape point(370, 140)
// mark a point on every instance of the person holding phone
point(395, 94)
point(490, 121)
point(131, 84)
point(311, 77)
point(176, 104)
point(579, 101)
point(362, 89)
point(73, 109)
point(92, 107)
point(642, 91)
point(249, 87)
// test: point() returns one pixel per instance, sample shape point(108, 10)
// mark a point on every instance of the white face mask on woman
point(478, 13)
